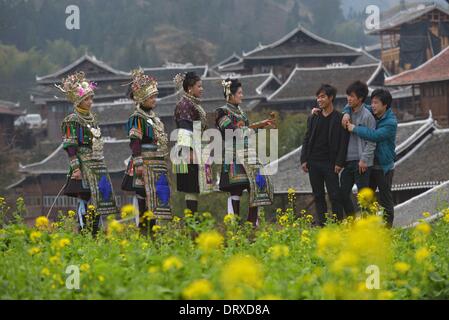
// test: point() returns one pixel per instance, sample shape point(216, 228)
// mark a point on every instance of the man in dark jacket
point(324, 153)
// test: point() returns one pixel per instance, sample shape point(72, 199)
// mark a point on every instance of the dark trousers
point(378, 179)
point(320, 173)
point(350, 176)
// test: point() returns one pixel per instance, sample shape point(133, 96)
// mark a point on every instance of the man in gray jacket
point(360, 155)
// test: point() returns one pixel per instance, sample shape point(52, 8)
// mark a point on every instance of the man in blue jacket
point(385, 136)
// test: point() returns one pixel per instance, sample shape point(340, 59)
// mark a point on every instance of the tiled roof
point(432, 201)
point(301, 43)
point(435, 69)
point(303, 82)
point(82, 62)
point(9, 112)
point(164, 75)
point(426, 165)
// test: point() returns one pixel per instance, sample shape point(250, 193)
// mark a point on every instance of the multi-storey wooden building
point(412, 36)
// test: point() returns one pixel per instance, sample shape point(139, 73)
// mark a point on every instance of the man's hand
point(304, 167)
point(350, 127)
point(316, 111)
point(338, 169)
point(363, 167)
point(346, 120)
point(76, 174)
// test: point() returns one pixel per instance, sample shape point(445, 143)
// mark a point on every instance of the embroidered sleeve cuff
point(135, 133)
point(224, 122)
point(74, 164)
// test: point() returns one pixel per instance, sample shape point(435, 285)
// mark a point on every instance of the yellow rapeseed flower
point(345, 260)
point(198, 289)
point(229, 219)
point(365, 197)
point(115, 226)
point(54, 259)
point(41, 222)
point(446, 218)
point(35, 235)
point(71, 213)
point(91, 207)
point(45, 272)
point(128, 211)
point(423, 228)
point(148, 215)
point(176, 219)
point(283, 220)
point(402, 267)
point(85, 267)
point(172, 263)
point(209, 241)
point(101, 278)
point(156, 228)
point(426, 214)
point(327, 238)
point(279, 251)
point(242, 270)
point(34, 250)
point(422, 254)
point(63, 243)
point(153, 269)
point(385, 295)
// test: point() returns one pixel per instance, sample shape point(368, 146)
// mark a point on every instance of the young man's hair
point(328, 90)
point(384, 96)
point(359, 88)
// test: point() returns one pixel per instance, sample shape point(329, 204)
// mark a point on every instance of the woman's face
point(237, 97)
point(150, 102)
point(86, 103)
point(197, 89)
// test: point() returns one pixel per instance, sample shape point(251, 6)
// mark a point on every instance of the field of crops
point(196, 257)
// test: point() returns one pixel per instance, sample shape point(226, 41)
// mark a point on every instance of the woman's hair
point(189, 81)
point(129, 92)
point(235, 85)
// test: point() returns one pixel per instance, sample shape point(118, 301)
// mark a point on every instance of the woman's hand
point(76, 174)
point(139, 171)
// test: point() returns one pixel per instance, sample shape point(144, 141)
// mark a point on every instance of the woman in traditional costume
point(88, 178)
point(147, 172)
point(238, 173)
point(193, 173)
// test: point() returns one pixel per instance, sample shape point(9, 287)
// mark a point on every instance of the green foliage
point(197, 256)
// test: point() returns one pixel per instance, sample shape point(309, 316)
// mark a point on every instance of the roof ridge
point(287, 37)
point(85, 56)
point(292, 74)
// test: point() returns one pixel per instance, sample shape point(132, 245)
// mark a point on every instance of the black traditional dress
point(82, 138)
point(149, 145)
point(192, 177)
point(237, 176)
